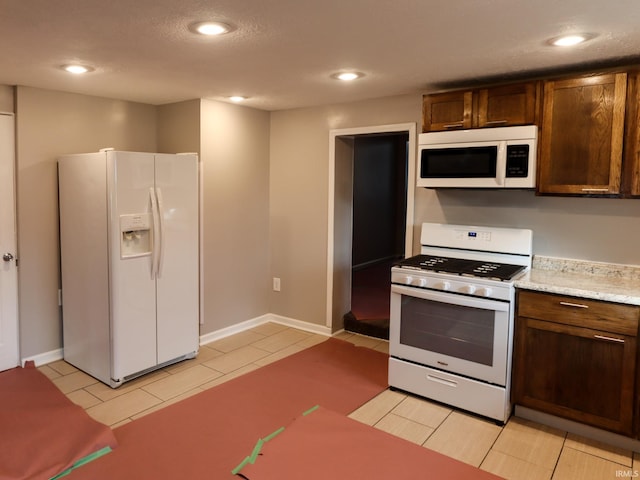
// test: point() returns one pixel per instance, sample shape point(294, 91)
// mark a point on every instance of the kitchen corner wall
point(235, 157)
point(178, 127)
point(233, 144)
point(50, 124)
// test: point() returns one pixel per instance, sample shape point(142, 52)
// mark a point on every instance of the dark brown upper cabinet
point(508, 105)
point(447, 111)
point(499, 106)
point(581, 140)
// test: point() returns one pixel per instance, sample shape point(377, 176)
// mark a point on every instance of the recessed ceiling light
point(211, 28)
point(570, 40)
point(237, 98)
point(77, 69)
point(347, 76)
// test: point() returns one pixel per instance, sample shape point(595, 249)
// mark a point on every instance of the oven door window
point(457, 331)
point(459, 162)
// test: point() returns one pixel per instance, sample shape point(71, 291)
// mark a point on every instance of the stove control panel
point(497, 240)
point(453, 284)
point(472, 235)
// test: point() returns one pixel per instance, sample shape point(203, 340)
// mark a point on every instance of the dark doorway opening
point(379, 225)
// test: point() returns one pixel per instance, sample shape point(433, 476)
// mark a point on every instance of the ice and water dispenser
point(135, 235)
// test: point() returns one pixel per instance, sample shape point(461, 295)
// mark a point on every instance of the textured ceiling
point(283, 51)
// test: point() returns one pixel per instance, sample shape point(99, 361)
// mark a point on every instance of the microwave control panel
point(517, 161)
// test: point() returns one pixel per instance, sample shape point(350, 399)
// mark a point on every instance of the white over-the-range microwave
point(503, 157)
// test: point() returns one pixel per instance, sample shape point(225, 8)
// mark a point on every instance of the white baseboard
point(55, 355)
point(44, 358)
point(232, 330)
point(299, 324)
point(254, 322)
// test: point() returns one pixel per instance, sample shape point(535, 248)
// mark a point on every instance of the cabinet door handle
point(496, 122)
point(454, 125)
point(609, 339)
point(574, 305)
point(595, 189)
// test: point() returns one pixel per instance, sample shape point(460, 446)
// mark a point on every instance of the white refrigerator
point(130, 261)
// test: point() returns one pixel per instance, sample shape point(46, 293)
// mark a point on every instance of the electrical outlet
point(276, 284)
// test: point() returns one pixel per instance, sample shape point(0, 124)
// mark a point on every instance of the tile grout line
point(564, 445)
point(494, 443)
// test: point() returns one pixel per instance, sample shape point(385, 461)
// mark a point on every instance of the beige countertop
point(579, 278)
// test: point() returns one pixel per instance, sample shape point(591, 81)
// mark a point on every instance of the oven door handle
point(451, 298)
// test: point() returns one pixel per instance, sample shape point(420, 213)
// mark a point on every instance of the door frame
point(9, 330)
point(339, 259)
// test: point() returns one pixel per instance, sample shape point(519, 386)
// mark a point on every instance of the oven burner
point(461, 266)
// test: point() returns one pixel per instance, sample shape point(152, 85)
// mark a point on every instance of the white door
point(178, 278)
point(9, 356)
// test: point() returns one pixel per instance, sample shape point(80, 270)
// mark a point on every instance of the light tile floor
point(521, 450)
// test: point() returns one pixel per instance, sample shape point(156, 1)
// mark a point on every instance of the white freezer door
point(133, 290)
point(178, 277)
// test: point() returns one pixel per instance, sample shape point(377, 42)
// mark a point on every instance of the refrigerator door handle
point(156, 233)
point(162, 227)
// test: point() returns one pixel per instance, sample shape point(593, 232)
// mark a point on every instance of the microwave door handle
point(501, 164)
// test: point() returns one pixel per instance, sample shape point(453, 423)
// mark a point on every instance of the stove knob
point(443, 286)
point(419, 282)
point(468, 289)
point(408, 280)
point(485, 292)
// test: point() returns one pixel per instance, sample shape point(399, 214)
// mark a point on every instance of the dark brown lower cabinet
point(572, 371)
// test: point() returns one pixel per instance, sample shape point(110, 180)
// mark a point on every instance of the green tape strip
point(260, 443)
point(236, 470)
point(311, 410)
point(83, 461)
point(256, 451)
point(274, 434)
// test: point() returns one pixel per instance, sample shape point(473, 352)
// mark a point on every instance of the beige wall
point(178, 127)
point(235, 157)
point(597, 229)
point(583, 228)
point(6, 99)
point(50, 124)
point(299, 195)
point(233, 143)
